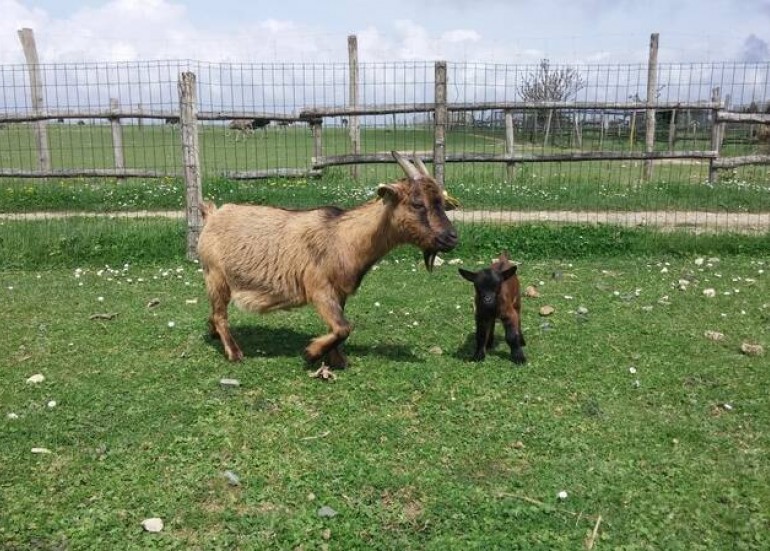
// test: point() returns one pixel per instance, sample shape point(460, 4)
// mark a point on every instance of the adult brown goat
point(267, 258)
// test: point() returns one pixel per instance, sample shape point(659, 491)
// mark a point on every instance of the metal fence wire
point(513, 143)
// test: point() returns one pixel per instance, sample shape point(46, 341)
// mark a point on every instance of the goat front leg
point(331, 311)
point(484, 327)
point(514, 339)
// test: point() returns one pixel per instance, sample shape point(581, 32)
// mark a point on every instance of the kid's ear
point(467, 274)
point(509, 273)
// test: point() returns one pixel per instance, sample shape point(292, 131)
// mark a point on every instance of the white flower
point(562, 495)
point(709, 292)
point(100, 299)
point(171, 324)
point(51, 404)
point(377, 304)
point(632, 370)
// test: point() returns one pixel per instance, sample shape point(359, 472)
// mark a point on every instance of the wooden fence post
point(672, 131)
point(27, 38)
point(652, 90)
point(509, 144)
point(117, 135)
point(315, 129)
point(440, 121)
point(353, 125)
point(716, 134)
point(188, 119)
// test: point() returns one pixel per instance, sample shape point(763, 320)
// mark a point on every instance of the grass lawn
point(628, 409)
point(594, 185)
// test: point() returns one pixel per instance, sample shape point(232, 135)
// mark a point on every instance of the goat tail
point(207, 208)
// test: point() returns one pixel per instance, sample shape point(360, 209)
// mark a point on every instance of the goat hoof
point(235, 356)
point(478, 357)
point(519, 358)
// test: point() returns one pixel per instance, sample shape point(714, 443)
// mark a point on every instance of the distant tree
point(551, 84)
point(547, 83)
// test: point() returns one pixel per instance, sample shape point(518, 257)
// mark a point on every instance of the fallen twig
point(322, 435)
point(107, 317)
point(542, 504)
point(590, 540)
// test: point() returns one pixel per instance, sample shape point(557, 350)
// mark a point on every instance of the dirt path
point(697, 221)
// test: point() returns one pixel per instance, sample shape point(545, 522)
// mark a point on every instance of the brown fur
point(267, 258)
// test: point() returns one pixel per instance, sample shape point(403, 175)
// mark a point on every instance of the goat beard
point(430, 258)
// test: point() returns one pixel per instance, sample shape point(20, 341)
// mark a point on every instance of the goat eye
point(418, 206)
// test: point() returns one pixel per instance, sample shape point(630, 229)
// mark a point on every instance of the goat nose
point(449, 236)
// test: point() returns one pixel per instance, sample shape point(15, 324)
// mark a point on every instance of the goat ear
point(509, 273)
point(467, 274)
point(388, 193)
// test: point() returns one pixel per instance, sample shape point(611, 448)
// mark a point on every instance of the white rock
point(12, 416)
point(710, 293)
point(171, 324)
point(562, 495)
point(36, 379)
point(632, 370)
point(51, 404)
point(152, 524)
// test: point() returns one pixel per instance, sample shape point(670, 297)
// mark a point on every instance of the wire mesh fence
point(546, 142)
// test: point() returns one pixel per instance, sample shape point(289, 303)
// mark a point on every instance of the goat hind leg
point(219, 296)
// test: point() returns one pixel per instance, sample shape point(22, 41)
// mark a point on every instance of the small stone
point(699, 261)
point(562, 495)
point(51, 404)
point(438, 261)
point(531, 292)
point(547, 310)
point(327, 512)
point(232, 478)
point(581, 310)
point(714, 335)
point(153, 525)
point(12, 416)
point(519, 445)
point(710, 293)
point(229, 383)
point(41, 450)
point(752, 349)
point(326, 534)
point(36, 379)
point(311, 496)
point(664, 270)
point(632, 370)
point(436, 350)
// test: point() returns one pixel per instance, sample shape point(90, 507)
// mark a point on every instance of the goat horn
point(408, 167)
point(421, 166)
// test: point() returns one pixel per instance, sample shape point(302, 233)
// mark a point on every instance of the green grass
point(536, 186)
point(413, 450)
point(81, 242)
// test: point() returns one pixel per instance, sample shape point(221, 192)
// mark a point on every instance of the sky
point(493, 31)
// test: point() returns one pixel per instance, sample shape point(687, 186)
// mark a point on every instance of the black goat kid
point(498, 295)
